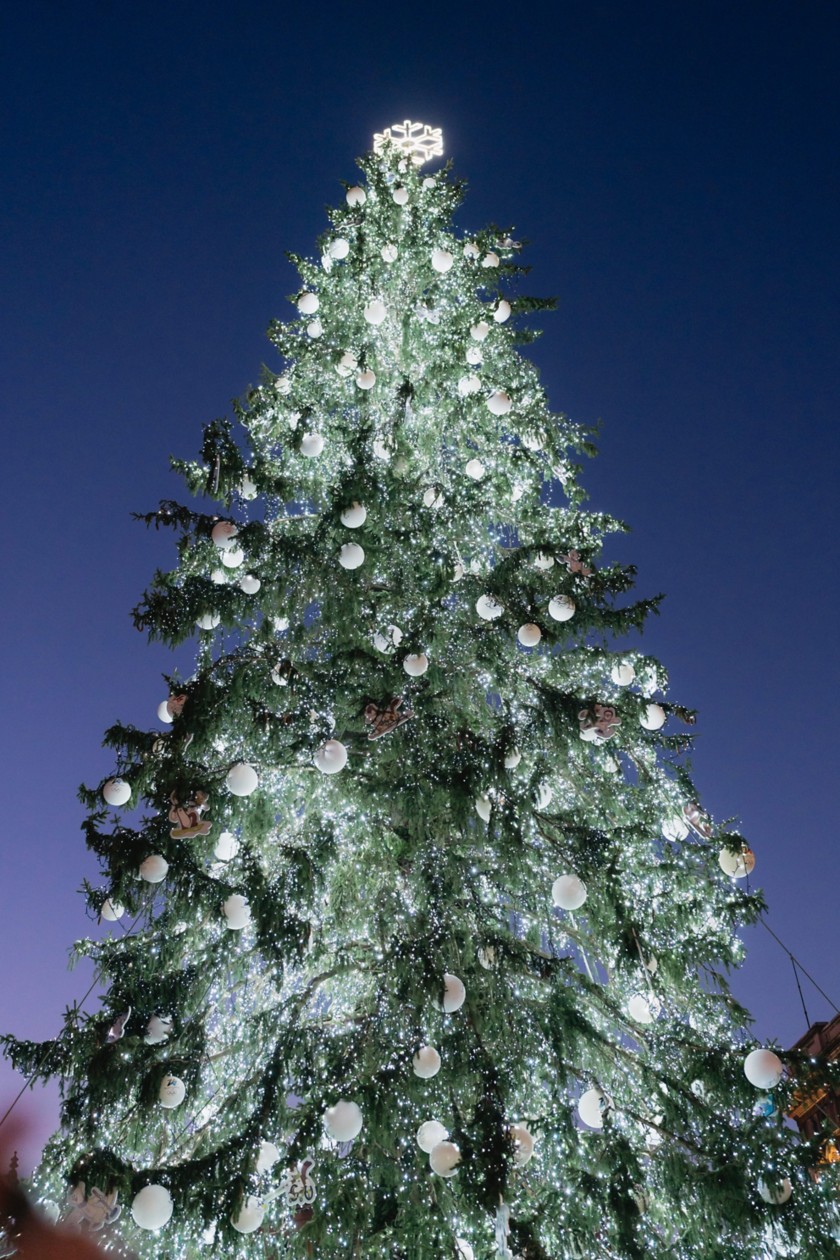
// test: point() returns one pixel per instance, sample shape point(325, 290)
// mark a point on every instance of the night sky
point(674, 166)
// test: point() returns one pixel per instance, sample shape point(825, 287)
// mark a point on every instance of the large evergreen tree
point(425, 919)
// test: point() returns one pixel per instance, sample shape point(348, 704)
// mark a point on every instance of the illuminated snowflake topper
point(417, 140)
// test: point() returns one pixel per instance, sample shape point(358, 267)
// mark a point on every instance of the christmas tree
point(419, 931)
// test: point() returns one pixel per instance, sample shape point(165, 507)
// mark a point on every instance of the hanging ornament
point(426, 1063)
point(542, 560)
point(433, 498)
point(674, 829)
point(311, 445)
point(464, 1250)
point(347, 364)
point(430, 1134)
point(208, 621)
point(385, 718)
point(315, 329)
point(297, 1187)
point(91, 1211)
point(471, 251)
point(523, 1144)
point(152, 1207)
point(218, 577)
point(400, 196)
point(593, 1106)
point(502, 312)
point(562, 608)
point(242, 779)
point(512, 759)
point(474, 356)
point(158, 1030)
point(153, 868)
point(644, 1008)
point(416, 664)
point(339, 248)
point(233, 557)
point(653, 717)
point(223, 534)
point(111, 910)
point(172, 1092)
point(479, 331)
point(737, 865)
point(622, 673)
point(389, 253)
point(490, 259)
point(249, 584)
point(574, 564)
point(763, 1069)
point(474, 468)
point(442, 260)
point(444, 1159)
point(488, 607)
point(343, 1122)
point(486, 955)
point(227, 847)
point(454, 993)
point(529, 635)
point(117, 1030)
point(331, 757)
point(568, 892)
point(267, 1156)
point(308, 303)
point(116, 792)
point(237, 912)
point(351, 556)
point(468, 385)
point(187, 816)
point(598, 723)
point(499, 403)
point(776, 1192)
point(354, 516)
point(375, 312)
point(366, 380)
point(355, 196)
point(249, 1217)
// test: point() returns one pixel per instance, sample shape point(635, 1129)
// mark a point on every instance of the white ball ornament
point(116, 792)
point(464, 1250)
point(351, 556)
point(442, 260)
point(248, 488)
point(208, 621)
point(488, 608)
point(736, 865)
point(339, 248)
point(354, 516)
point(430, 1134)
point(172, 1092)
point(400, 196)
point(347, 364)
point(490, 259)
point(152, 1207)
point(218, 577)
point(643, 1008)
point(622, 673)
point(592, 1105)
point(242, 779)
point(543, 795)
point(249, 1217)
point(355, 196)
point(311, 445)
point(474, 356)
point(471, 251)
point(237, 912)
point(433, 498)
point(375, 312)
point(512, 759)
point(366, 380)
point(479, 331)
point(763, 1069)
point(223, 534)
point(529, 635)
point(674, 829)
point(153, 869)
point(776, 1192)
point(426, 1063)
point(429, 182)
point(454, 993)
point(163, 713)
point(468, 385)
point(331, 757)
point(250, 584)
point(568, 892)
point(483, 807)
point(499, 403)
point(532, 441)
point(227, 847)
point(344, 1121)
point(562, 608)
point(502, 312)
point(523, 1144)
point(233, 557)
point(267, 1156)
point(315, 329)
point(653, 717)
point(111, 910)
point(444, 1159)
point(542, 560)
point(474, 469)
point(308, 303)
point(416, 664)
point(158, 1030)
point(389, 253)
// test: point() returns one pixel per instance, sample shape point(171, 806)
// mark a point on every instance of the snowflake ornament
point(416, 140)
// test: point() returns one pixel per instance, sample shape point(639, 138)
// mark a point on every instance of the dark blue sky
point(674, 164)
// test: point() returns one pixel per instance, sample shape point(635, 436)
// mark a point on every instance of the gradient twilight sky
point(674, 164)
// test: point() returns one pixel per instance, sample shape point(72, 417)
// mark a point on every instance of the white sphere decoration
point(474, 468)
point(543, 795)
point(250, 584)
point(490, 259)
point(227, 847)
point(523, 1144)
point(483, 807)
point(502, 312)
point(562, 608)
point(237, 912)
point(343, 1122)
point(163, 713)
point(653, 717)
point(389, 253)
point(249, 1217)
point(347, 364)
point(331, 757)
point(433, 498)
point(50, 1210)
point(454, 993)
point(763, 1069)
point(479, 331)
point(308, 303)
point(172, 1092)
point(283, 385)
point(486, 955)
point(351, 556)
point(471, 250)
point(568, 892)
point(315, 329)
point(116, 792)
point(529, 635)
point(223, 534)
point(499, 403)
point(430, 1134)
point(339, 248)
point(400, 196)
point(152, 1207)
point(267, 1156)
point(465, 1251)
point(375, 312)
point(444, 1159)
point(442, 260)
point(355, 196)
point(643, 1008)
point(736, 865)
point(474, 356)
point(777, 1192)
point(532, 441)
point(311, 445)
point(542, 560)
point(512, 759)
point(111, 910)
point(416, 664)
point(242, 779)
point(366, 380)
point(622, 673)
point(591, 1106)
point(468, 385)
point(233, 557)
point(208, 621)
point(354, 516)
point(488, 607)
point(248, 488)
point(158, 1030)
point(153, 868)
point(218, 576)
point(426, 1063)
point(674, 829)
